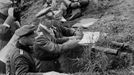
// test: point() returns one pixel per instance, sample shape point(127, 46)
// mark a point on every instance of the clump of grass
point(99, 63)
point(93, 61)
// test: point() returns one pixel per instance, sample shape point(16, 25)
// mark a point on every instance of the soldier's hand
point(71, 43)
point(79, 34)
point(72, 38)
point(11, 11)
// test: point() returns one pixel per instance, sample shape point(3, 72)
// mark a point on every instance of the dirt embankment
point(116, 17)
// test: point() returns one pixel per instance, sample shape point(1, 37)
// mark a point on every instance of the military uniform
point(61, 33)
point(3, 16)
point(48, 51)
point(6, 32)
point(20, 63)
point(50, 45)
point(20, 60)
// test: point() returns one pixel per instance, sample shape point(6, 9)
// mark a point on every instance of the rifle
point(105, 50)
point(121, 47)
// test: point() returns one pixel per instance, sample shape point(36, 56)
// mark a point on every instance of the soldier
point(21, 61)
point(7, 29)
point(54, 39)
point(3, 15)
point(68, 9)
point(73, 8)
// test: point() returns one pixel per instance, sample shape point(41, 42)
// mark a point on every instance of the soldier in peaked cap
point(53, 41)
point(21, 61)
point(68, 9)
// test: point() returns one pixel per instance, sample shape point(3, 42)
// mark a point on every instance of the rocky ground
point(116, 17)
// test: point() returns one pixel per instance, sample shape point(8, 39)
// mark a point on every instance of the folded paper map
point(91, 37)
